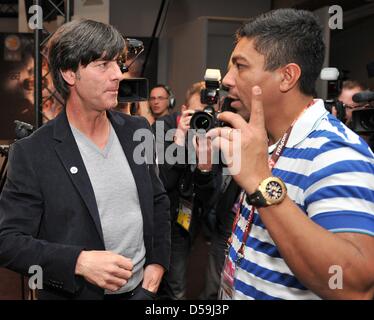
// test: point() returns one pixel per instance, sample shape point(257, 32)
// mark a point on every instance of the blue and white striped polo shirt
point(329, 174)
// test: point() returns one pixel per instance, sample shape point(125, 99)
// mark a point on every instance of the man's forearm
point(309, 251)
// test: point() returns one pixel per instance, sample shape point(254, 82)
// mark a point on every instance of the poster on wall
point(16, 82)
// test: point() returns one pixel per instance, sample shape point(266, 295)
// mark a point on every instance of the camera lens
point(367, 121)
point(202, 120)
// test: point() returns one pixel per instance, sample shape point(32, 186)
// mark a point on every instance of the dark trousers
point(173, 286)
point(216, 260)
point(139, 293)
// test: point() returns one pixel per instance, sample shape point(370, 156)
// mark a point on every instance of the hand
point(334, 112)
point(152, 277)
point(203, 147)
point(104, 269)
point(246, 144)
point(183, 126)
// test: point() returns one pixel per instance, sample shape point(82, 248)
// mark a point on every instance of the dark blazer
point(49, 215)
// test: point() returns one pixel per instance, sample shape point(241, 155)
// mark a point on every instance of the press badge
point(226, 291)
point(184, 214)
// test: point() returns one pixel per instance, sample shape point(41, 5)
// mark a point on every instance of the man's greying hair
point(79, 43)
point(288, 36)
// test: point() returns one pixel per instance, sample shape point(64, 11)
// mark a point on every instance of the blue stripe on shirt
point(339, 191)
point(259, 245)
point(346, 219)
point(284, 279)
point(250, 291)
point(337, 142)
point(292, 178)
point(271, 275)
point(340, 167)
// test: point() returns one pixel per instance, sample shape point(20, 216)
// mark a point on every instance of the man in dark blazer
point(69, 212)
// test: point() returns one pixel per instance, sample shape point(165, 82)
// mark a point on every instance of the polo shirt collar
point(307, 122)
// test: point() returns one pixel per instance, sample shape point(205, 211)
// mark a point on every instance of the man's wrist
point(79, 264)
point(251, 187)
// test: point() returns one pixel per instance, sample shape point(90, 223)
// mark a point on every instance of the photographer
point(190, 191)
point(308, 197)
point(349, 89)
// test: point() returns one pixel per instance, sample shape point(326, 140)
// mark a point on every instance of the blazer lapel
point(68, 152)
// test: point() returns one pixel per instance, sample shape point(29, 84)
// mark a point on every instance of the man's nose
point(228, 80)
point(116, 72)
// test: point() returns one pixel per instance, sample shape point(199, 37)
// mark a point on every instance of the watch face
point(271, 190)
point(274, 190)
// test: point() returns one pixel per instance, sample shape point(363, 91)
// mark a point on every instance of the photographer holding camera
point(349, 89)
point(357, 117)
point(307, 203)
point(189, 188)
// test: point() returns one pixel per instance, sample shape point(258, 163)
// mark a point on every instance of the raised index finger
point(257, 118)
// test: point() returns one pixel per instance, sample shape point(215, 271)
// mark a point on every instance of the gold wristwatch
point(271, 191)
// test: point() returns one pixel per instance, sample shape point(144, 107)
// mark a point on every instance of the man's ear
point(69, 76)
point(290, 76)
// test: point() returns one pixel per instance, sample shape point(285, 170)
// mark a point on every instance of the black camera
point(207, 119)
point(210, 95)
point(363, 118)
point(132, 89)
point(339, 107)
point(334, 87)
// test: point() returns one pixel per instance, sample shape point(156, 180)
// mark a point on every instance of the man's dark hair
point(288, 36)
point(79, 43)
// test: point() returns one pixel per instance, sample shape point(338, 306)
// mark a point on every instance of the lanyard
point(272, 161)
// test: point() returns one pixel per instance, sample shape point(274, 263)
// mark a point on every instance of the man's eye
point(103, 64)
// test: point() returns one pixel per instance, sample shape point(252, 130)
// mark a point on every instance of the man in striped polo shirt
point(305, 225)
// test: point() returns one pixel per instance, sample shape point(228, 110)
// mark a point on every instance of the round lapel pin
point(73, 170)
